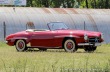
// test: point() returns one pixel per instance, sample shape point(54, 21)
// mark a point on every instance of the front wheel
point(70, 46)
point(21, 45)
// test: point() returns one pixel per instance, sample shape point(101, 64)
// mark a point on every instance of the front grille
point(95, 39)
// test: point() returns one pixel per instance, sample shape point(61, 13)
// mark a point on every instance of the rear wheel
point(90, 49)
point(70, 46)
point(21, 45)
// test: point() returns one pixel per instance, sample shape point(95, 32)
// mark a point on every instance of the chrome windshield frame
point(62, 26)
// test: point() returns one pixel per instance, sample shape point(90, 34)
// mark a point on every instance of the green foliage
point(69, 3)
point(95, 4)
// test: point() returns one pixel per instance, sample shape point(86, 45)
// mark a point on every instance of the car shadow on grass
point(89, 52)
point(49, 50)
point(61, 51)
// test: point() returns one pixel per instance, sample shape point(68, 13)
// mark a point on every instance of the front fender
point(60, 39)
point(63, 36)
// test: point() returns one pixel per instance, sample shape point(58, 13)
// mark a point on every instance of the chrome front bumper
point(89, 44)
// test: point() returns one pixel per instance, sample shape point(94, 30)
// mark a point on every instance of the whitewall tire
point(69, 45)
point(20, 45)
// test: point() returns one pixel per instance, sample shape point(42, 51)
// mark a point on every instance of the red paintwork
point(50, 38)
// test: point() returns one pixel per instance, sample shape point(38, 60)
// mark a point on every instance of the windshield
point(57, 26)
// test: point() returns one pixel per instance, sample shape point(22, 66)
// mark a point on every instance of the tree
point(29, 3)
point(68, 3)
point(107, 4)
point(94, 3)
point(87, 3)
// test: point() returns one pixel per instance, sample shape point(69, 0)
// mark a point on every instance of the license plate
point(97, 44)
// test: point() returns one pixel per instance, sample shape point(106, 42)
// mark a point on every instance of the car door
point(42, 39)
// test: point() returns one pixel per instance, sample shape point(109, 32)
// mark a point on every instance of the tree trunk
point(45, 3)
point(94, 3)
point(87, 3)
point(31, 3)
point(68, 5)
point(107, 4)
point(57, 3)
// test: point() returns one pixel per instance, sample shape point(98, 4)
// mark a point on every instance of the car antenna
point(84, 25)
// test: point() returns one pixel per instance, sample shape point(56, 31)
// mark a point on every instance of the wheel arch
point(20, 45)
point(20, 39)
point(66, 39)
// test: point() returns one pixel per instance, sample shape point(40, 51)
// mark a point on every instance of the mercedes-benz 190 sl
point(57, 36)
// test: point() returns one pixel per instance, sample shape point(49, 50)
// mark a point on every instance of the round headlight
point(85, 37)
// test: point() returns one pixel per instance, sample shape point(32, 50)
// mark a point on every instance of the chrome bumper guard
point(89, 44)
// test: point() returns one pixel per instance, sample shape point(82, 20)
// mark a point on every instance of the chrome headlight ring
point(85, 37)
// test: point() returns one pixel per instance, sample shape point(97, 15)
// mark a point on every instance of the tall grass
point(92, 68)
point(20, 68)
point(54, 60)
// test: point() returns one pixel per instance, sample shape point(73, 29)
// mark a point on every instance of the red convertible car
point(58, 36)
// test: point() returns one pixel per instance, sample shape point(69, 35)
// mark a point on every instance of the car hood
point(81, 32)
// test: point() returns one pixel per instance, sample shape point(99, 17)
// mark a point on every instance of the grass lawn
point(54, 60)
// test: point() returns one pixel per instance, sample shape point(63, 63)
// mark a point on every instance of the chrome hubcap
point(20, 45)
point(69, 45)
